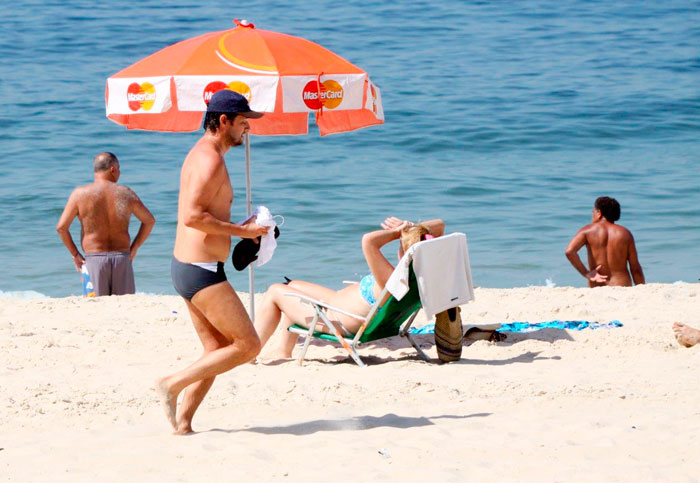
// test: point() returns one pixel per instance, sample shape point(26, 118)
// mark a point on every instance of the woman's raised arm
point(372, 243)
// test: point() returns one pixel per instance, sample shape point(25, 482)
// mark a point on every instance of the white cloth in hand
point(268, 242)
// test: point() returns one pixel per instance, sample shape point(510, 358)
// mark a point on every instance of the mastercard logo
point(331, 95)
point(213, 87)
point(141, 96)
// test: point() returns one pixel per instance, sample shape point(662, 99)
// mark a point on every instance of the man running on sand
point(104, 209)
point(202, 244)
point(610, 248)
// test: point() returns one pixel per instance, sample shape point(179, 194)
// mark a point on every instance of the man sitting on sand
point(686, 335)
point(104, 209)
point(610, 248)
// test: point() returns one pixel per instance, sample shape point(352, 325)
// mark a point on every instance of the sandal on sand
point(475, 333)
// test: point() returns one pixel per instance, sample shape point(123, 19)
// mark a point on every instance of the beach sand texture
point(77, 401)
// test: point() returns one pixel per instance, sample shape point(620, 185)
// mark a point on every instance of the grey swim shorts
point(111, 273)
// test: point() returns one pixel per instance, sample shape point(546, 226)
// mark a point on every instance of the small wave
point(548, 282)
point(22, 294)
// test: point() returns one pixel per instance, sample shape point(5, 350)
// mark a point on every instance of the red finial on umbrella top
point(243, 23)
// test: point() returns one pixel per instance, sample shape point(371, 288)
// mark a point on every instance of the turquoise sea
point(506, 119)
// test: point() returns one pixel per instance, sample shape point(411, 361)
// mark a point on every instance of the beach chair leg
point(307, 340)
point(356, 357)
point(404, 330)
point(415, 345)
point(351, 350)
point(405, 333)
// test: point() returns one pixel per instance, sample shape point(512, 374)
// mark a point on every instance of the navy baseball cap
point(227, 100)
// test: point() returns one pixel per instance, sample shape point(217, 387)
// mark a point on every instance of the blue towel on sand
point(529, 327)
point(558, 324)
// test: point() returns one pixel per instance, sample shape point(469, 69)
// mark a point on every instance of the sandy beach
point(77, 400)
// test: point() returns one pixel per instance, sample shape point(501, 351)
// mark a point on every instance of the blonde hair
point(413, 234)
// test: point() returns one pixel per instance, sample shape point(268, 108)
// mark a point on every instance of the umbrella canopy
point(284, 76)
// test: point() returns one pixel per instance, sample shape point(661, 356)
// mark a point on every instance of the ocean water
point(506, 119)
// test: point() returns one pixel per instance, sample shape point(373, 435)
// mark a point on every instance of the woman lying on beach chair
point(356, 298)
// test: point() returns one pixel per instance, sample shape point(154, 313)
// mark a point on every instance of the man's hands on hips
point(594, 276)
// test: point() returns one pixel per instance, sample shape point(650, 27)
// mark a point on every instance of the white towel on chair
point(442, 270)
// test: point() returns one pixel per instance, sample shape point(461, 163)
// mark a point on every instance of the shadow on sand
point(359, 423)
point(526, 358)
point(426, 342)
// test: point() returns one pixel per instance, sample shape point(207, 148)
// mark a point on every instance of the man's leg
point(122, 274)
point(224, 313)
point(100, 271)
point(211, 340)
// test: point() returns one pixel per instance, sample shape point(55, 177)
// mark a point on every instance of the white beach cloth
point(268, 242)
point(442, 270)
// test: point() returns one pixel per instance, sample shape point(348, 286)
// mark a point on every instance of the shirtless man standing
point(202, 244)
point(104, 209)
point(610, 248)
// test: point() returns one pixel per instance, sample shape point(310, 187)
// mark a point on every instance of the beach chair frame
point(340, 334)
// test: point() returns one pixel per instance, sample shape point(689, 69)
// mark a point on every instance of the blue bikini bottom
point(367, 289)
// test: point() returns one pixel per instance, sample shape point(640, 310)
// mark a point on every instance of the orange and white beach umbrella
point(284, 76)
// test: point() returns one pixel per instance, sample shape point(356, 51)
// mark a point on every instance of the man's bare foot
point(686, 335)
point(183, 429)
point(167, 401)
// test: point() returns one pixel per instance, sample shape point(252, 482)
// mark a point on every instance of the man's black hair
point(211, 120)
point(608, 207)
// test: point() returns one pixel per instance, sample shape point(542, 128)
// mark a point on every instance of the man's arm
point(205, 183)
point(63, 228)
point(576, 243)
point(147, 221)
point(635, 266)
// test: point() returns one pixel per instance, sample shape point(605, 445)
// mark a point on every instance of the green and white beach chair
point(380, 323)
point(395, 317)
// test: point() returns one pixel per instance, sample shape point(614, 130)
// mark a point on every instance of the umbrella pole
point(249, 210)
